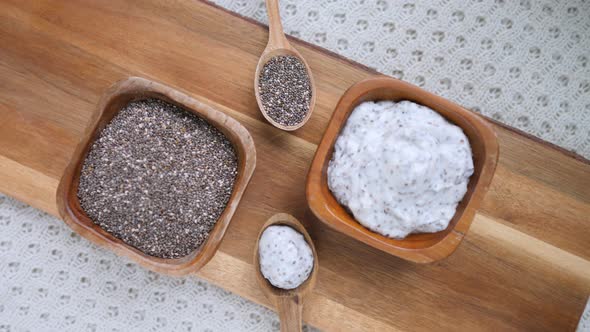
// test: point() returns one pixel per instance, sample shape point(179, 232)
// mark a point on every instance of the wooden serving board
point(524, 265)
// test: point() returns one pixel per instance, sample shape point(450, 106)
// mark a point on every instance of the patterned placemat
point(524, 63)
point(584, 324)
point(51, 279)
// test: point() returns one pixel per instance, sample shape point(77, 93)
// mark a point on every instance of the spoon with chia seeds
point(283, 84)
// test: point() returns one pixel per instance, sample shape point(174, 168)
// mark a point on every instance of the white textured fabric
point(525, 63)
point(584, 324)
point(51, 279)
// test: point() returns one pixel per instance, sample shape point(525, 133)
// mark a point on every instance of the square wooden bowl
point(420, 248)
point(113, 100)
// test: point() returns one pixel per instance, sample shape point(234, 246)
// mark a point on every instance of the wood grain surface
point(524, 265)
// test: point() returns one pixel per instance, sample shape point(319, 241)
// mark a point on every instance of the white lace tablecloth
point(51, 279)
point(523, 62)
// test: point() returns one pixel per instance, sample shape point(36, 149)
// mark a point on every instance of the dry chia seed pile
point(285, 90)
point(158, 178)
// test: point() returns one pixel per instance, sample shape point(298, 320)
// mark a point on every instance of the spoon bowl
point(278, 45)
point(289, 302)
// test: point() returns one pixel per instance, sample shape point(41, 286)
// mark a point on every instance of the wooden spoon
point(279, 45)
point(289, 302)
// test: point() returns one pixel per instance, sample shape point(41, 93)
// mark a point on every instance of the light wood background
point(524, 265)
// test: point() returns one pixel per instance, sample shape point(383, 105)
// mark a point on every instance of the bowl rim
point(117, 95)
point(316, 187)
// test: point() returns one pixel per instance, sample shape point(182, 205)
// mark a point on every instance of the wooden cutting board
point(524, 265)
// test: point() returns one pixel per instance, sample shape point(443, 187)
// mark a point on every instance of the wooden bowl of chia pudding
point(417, 247)
point(115, 99)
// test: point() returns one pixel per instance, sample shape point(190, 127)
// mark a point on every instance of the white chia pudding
point(286, 260)
point(400, 168)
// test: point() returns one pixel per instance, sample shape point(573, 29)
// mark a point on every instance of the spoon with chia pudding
point(286, 264)
point(283, 85)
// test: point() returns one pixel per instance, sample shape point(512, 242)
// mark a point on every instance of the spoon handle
point(276, 38)
point(290, 308)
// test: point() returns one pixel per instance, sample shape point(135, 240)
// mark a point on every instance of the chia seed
point(285, 90)
point(158, 178)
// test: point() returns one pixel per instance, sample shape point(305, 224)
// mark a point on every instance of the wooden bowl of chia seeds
point(157, 176)
point(417, 247)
